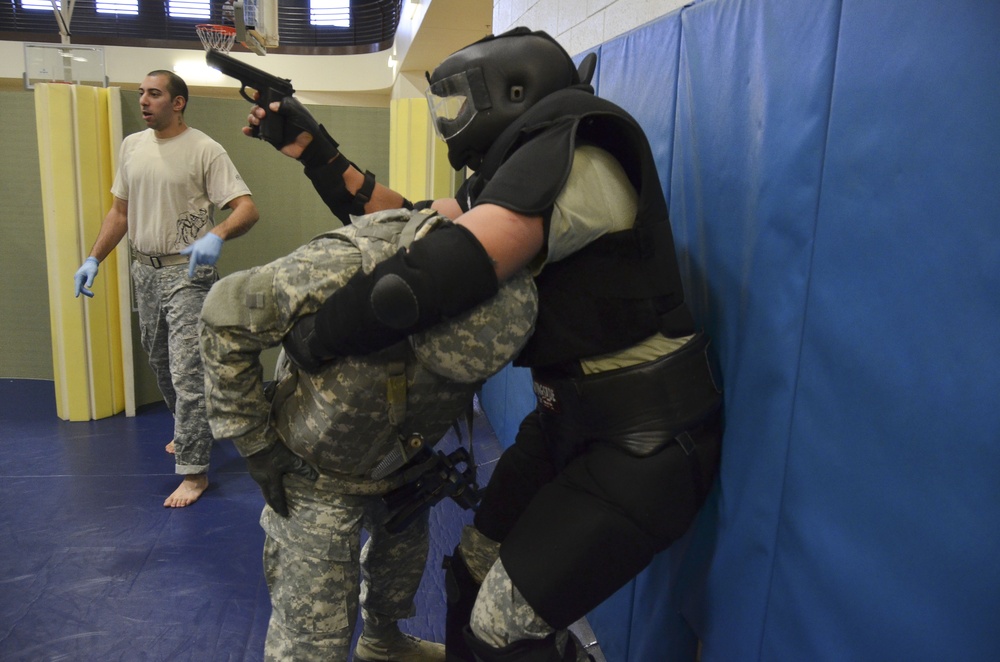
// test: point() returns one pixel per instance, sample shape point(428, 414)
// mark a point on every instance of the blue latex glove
point(85, 276)
point(203, 251)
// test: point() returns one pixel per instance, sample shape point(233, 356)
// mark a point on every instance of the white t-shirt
point(173, 187)
point(597, 199)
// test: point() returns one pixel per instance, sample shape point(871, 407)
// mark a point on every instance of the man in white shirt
point(170, 179)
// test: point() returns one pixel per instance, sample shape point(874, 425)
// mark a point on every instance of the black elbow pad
point(440, 276)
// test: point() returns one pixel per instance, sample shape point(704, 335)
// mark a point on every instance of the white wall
point(368, 79)
point(580, 24)
point(349, 79)
point(365, 79)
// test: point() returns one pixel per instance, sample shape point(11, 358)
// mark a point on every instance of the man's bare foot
point(170, 447)
point(190, 489)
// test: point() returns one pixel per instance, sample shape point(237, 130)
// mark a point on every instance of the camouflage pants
point(501, 614)
point(169, 310)
point(312, 561)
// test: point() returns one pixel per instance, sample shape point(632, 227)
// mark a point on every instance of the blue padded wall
point(622, 623)
point(832, 170)
point(752, 116)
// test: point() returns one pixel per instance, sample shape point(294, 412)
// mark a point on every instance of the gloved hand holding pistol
point(302, 137)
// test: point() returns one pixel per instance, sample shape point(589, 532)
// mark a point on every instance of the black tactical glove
point(302, 347)
point(321, 150)
point(269, 466)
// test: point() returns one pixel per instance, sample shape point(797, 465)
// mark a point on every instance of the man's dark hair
point(176, 86)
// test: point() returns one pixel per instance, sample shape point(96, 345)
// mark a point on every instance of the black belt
point(639, 408)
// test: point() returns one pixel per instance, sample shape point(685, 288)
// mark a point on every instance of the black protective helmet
point(479, 90)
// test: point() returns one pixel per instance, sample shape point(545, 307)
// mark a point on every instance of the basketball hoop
point(218, 37)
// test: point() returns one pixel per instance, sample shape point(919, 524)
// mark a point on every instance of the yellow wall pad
point(76, 160)
point(418, 159)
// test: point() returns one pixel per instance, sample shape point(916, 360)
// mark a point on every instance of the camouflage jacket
point(343, 419)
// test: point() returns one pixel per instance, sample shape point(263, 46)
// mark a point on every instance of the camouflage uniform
point(344, 422)
point(169, 308)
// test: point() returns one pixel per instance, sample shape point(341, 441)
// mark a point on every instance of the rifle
point(442, 478)
point(269, 88)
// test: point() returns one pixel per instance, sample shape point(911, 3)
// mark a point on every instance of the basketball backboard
point(62, 63)
point(256, 24)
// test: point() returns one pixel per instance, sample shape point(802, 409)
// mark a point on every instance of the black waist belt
point(157, 261)
point(639, 408)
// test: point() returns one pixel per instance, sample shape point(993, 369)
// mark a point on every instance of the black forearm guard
point(443, 274)
point(321, 149)
point(328, 180)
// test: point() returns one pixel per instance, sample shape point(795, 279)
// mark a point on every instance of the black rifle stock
point(270, 88)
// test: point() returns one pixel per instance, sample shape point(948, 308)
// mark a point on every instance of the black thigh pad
point(521, 470)
point(599, 523)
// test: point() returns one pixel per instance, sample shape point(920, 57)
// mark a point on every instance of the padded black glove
point(296, 120)
point(302, 348)
point(269, 466)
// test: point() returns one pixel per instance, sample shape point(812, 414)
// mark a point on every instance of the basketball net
point(218, 37)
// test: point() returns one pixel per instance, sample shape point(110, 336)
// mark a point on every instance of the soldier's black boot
point(461, 589)
point(526, 650)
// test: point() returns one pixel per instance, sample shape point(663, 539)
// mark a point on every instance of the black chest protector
point(619, 289)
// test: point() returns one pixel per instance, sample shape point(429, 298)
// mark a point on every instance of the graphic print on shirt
point(189, 226)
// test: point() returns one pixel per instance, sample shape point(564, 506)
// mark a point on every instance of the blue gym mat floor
point(93, 568)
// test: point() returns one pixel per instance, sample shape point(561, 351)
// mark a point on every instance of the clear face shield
point(451, 104)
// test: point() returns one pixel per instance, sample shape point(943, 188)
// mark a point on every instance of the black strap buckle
point(364, 194)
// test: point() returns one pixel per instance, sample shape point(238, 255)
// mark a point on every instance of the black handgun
point(269, 88)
